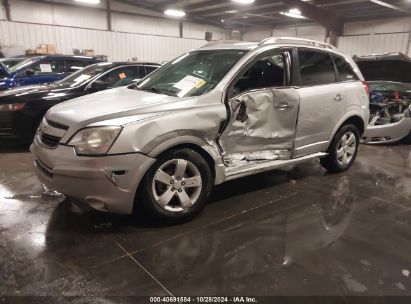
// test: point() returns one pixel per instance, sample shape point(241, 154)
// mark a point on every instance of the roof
point(388, 56)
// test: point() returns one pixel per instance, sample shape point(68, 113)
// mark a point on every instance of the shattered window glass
point(265, 73)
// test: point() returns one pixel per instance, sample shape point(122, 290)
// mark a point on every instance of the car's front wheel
point(343, 149)
point(176, 186)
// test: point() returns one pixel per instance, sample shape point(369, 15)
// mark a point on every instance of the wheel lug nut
point(179, 190)
point(173, 189)
point(183, 183)
point(172, 182)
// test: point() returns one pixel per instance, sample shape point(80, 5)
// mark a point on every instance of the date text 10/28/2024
point(236, 299)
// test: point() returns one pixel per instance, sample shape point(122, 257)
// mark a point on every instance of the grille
point(56, 125)
point(49, 141)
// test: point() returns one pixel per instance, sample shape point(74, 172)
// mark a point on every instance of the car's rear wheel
point(343, 149)
point(176, 187)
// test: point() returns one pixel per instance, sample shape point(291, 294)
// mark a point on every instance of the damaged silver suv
point(224, 111)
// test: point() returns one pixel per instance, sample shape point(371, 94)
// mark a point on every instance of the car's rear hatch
point(390, 67)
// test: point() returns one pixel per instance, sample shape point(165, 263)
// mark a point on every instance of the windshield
point(83, 75)
point(192, 74)
point(23, 64)
point(10, 62)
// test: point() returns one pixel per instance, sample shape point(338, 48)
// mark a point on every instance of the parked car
point(21, 109)
point(42, 69)
point(215, 114)
point(10, 62)
point(389, 79)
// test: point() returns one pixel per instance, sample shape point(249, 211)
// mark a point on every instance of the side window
point(73, 64)
point(147, 70)
point(267, 72)
point(345, 71)
point(48, 66)
point(121, 76)
point(316, 68)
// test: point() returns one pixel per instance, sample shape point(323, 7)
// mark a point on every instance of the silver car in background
point(224, 111)
point(389, 80)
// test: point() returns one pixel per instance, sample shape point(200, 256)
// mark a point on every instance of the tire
point(343, 150)
point(176, 187)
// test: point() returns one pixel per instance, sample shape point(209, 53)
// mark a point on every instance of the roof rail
point(294, 40)
point(211, 43)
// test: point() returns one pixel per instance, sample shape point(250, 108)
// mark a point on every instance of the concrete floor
point(298, 231)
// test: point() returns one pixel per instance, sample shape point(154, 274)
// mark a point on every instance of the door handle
point(283, 106)
point(339, 97)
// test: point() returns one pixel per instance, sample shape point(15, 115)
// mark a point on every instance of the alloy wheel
point(177, 185)
point(346, 148)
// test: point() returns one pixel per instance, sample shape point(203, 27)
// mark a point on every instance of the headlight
point(11, 107)
point(94, 140)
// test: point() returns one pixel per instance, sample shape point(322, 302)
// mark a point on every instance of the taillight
point(366, 87)
point(12, 107)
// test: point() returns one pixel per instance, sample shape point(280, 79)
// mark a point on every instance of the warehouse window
point(316, 68)
point(345, 72)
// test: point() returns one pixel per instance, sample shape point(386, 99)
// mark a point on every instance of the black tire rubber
point(330, 162)
point(146, 198)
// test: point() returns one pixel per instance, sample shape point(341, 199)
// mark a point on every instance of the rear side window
point(121, 76)
point(73, 64)
point(147, 70)
point(316, 68)
point(48, 66)
point(344, 69)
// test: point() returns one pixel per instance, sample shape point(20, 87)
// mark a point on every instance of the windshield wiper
point(158, 91)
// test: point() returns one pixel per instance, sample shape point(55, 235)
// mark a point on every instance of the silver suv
point(224, 111)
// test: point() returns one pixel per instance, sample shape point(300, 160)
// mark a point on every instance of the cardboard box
point(45, 49)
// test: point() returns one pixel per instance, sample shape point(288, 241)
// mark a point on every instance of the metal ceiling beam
point(160, 10)
point(394, 7)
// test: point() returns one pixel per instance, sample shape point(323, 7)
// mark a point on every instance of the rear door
point(263, 111)
point(323, 101)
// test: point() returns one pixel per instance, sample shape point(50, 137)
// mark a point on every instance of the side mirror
point(29, 72)
point(98, 85)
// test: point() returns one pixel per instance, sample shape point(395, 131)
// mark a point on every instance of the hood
point(111, 104)
point(397, 70)
point(32, 93)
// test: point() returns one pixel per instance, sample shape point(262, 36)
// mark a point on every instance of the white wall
point(376, 37)
point(315, 32)
point(68, 27)
point(360, 38)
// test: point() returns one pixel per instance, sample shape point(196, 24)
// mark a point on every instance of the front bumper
point(387, 133)
point(107, 183)
point(16, 127)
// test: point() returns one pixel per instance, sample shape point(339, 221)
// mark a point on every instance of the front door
point(263, 113)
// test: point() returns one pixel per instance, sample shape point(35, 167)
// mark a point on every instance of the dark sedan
point(22, 109)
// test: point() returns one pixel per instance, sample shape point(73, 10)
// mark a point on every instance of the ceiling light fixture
point(243, 1)
point(174, 13)
point(88, 1)
point(293, 13)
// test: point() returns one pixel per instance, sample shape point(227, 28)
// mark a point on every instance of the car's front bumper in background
point(387, 133)
point(107, 183)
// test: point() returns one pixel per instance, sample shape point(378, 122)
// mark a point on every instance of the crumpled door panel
point(262, 121)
